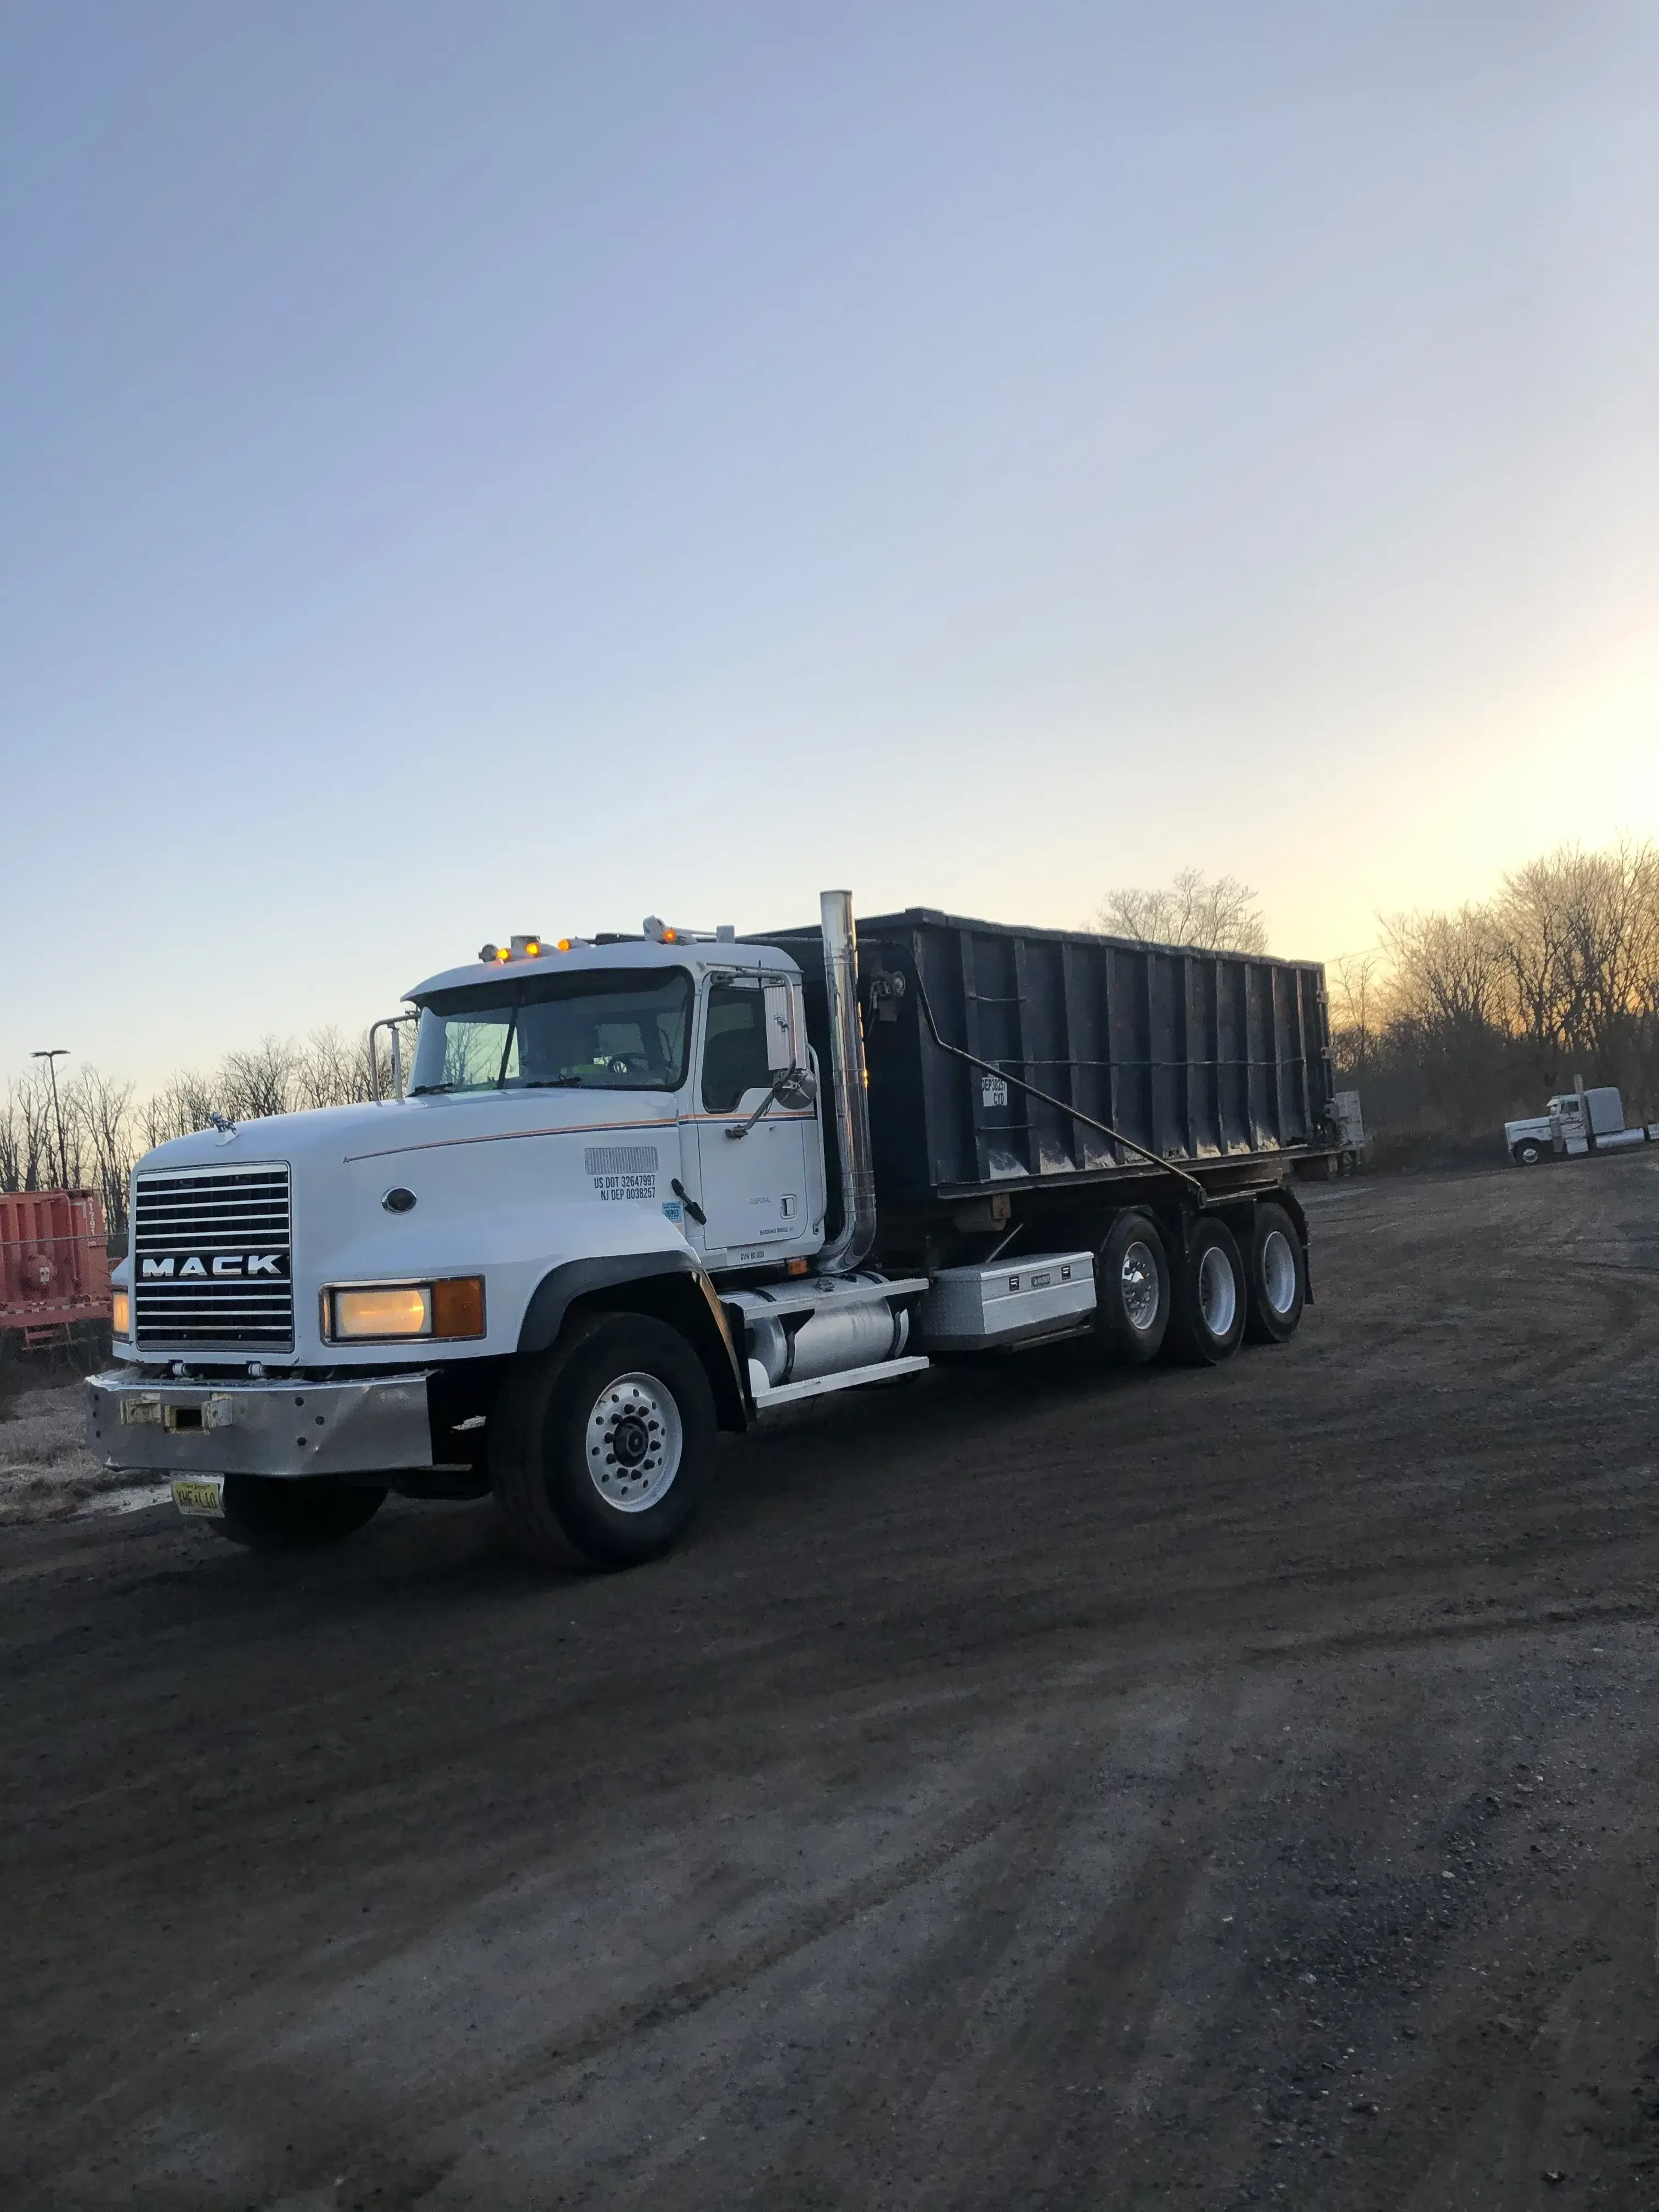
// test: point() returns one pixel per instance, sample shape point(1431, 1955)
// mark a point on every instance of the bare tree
point(29, 1146)
point(100, 1110)
point(185, 1103)
point(1219, 914)
point(1613, 942)
point(1449, 970)
point(13, 1139)
point(330, 1070)
point(1355, 996)
point(258, 1081)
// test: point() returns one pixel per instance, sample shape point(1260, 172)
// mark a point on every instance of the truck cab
point(1574, 1123)
point(322, 1306)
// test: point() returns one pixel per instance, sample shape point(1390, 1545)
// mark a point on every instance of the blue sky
point(480, 468)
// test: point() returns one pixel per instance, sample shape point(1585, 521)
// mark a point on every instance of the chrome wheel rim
point(1279, 1272)
point(634, 1441)
point(1217, 1292)
point(1139, 1286)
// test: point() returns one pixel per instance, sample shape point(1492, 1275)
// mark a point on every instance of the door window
point(734, 1046)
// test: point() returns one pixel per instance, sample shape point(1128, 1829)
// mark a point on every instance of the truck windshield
point(597, 1029)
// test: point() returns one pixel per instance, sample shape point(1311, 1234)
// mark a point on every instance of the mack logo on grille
point(210, 1258)
point(174, 1266)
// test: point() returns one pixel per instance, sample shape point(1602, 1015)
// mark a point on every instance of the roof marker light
point(657, 932)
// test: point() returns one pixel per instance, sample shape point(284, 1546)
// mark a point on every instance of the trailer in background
point(1349, 1123)
point(54, 1266)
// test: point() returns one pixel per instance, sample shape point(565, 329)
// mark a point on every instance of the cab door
point(763, 1199)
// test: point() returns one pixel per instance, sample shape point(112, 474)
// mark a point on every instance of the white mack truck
point(641, 1190)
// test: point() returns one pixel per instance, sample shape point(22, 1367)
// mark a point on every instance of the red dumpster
point(54, 1261)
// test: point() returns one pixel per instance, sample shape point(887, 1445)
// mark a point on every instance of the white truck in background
point(1575, 1123)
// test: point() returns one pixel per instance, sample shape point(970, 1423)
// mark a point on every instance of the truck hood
point(506, 1186)
point(1537, 1125)
point(347, 1134)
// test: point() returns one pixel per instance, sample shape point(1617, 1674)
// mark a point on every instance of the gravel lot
point(1041, 1787)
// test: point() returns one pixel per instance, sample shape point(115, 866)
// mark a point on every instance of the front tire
point(1206, 1313)
point(602, 1447)
point(1528, 1152)
point(1132, 1291)
point(271, 1514)
point(1278, 1277)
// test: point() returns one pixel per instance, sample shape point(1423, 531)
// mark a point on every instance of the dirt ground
point(1041, 1788)
point(47, 1472)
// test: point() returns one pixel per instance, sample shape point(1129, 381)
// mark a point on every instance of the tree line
point(1463, 1018)
point(107, 1124)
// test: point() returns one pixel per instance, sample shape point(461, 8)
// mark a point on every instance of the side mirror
point(783, 1053)
point(795, 1087)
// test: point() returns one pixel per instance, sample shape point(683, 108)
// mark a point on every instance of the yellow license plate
point(203, 1493)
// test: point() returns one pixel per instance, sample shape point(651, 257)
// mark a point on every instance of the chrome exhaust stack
point(847, 1248)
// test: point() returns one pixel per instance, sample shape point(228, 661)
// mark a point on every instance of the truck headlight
point(386, 1312)
point(120, 1313)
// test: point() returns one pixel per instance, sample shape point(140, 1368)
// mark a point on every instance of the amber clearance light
point(385, 1312)
point(120, 1313)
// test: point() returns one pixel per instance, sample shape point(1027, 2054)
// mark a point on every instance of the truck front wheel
point(1207, 1315)
point(274, 1514)
point(1527, 1153)
point(601, 1449)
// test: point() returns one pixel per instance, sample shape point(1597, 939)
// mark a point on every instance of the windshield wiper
point(425, 1090)
point(550, 1083)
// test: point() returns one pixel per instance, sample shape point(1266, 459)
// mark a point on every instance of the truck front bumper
point(276, 1427)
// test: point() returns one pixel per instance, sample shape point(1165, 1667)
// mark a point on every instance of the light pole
point(58, 1052)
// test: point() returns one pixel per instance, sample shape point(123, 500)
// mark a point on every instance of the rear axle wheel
point(1278, 1277)
point(1132, 1291)
point(1206, 1315)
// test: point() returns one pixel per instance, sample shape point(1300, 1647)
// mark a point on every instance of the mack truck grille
point(213, 1258)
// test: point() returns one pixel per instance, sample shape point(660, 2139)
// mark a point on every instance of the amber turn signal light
point(458, 1306)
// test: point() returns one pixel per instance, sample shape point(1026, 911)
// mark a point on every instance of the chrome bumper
point(279, 1428)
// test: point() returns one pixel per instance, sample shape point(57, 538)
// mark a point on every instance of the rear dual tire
point(1209, 1303)
point(1278, 1288)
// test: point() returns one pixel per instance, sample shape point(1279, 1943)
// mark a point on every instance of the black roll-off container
point(1000, 1058)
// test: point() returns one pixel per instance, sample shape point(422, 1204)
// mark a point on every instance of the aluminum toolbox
point(1011, 1300)
point(1203, 1057)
